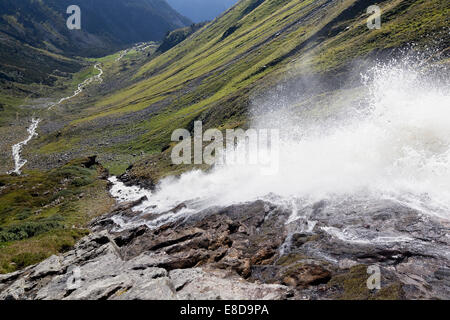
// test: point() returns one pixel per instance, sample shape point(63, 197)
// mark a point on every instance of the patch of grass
point(43, 213)
point(20, 254)
point(354, 286)
point(30, 229)
point(26, 259)
point(84, 74)
point(59, 145)
point(9, 103)
point(290, 259)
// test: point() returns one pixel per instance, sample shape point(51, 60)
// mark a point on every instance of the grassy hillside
point(43, 213)
point(213, 74)
point(176, 36)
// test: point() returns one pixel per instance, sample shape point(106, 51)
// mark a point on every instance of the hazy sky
point(201, 10)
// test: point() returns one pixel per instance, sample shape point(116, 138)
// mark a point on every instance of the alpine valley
point(93, 207)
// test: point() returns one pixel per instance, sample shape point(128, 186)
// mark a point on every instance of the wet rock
point(129, 180)
point(306, 275)
point(251, 251)
point(153, 216)
point(123, 209)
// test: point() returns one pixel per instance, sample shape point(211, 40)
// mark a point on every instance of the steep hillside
point(176, 36)
point(35, 36)
point(254, 47)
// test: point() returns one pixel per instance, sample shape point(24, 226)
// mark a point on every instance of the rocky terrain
point(254, 250)
point(302, 66)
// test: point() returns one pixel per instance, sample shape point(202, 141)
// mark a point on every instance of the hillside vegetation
point(213, 75)
point(42, 60)
point(174, 37)
point(36, 42)
point(44, 213)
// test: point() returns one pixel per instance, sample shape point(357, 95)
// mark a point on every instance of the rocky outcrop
point(256, 250)
point(96, 269)
point(129, 179)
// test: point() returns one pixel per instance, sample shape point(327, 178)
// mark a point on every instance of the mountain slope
point(37, 28)
point(176, 36)
point(216, 73)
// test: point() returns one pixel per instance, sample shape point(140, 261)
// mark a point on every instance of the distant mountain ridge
point(105, 23)
point(30, 28)
point(176, 36)
point(201, 10)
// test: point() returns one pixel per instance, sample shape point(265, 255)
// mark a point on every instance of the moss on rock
point(353, 286)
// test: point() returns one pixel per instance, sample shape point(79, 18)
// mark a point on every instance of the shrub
point(63, 193)
point(30, 228)
point(24, 214)
point(70, 172)
point(80, 182)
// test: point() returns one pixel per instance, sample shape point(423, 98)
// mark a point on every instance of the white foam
point(396, 145)
point(124, 193)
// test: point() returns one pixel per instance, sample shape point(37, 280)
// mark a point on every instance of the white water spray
point(123, 193)
point(395, 146)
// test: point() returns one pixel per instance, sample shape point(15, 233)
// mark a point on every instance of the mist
point(392, 142)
